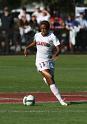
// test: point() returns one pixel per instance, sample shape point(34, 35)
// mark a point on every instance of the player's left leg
point(50, 80)
point(55, 91)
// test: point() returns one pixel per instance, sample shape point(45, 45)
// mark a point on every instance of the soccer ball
point(29, 100)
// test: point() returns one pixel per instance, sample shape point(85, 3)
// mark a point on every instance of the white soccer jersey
point(44, 46)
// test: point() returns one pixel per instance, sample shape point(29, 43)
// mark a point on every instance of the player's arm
point(29, 46)
point(56, 53)
point(56, 44)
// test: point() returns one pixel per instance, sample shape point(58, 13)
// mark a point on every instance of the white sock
point(55, 91)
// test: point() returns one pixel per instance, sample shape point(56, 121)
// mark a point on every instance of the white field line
point(13, 98)
point(7, 98)
point(80, 101)
point(68, 95)
point(20, 101)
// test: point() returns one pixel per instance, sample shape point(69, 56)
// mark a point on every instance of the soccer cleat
point(63, 103)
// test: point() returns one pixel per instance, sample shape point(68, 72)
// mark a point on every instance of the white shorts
point(45, 65)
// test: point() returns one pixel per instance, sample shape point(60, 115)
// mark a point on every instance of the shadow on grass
point(78, 102)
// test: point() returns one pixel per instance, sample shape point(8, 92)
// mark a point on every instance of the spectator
point(33, 23)
point(24, 29)
point(7, 24)
point(23, 12)
point(82, 21)
point(73, 26)
point(45, 15)
point(58, 27)
point(37, 12)
point(82, 36)
point(41, 15)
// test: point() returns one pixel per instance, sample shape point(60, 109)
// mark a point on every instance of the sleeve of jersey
point(55, 40)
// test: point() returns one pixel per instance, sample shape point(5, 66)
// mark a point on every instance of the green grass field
point(19, 74)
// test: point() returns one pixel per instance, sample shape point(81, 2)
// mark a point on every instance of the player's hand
point(54, 58)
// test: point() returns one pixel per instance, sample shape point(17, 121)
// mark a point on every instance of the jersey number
point(42, 64)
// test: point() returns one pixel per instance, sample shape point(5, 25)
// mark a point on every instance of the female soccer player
point(45, 41)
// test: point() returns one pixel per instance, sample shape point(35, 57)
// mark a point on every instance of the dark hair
point(6, 8)
point(24, 8)
point(45, 23)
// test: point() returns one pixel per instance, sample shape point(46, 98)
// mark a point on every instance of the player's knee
point(49, 79)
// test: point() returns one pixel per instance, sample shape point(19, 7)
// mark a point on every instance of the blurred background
point(19, 21)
